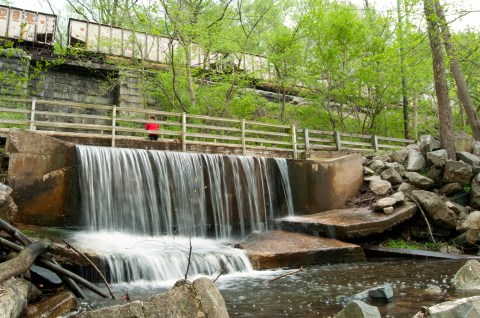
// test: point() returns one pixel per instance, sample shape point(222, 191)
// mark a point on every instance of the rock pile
point(447, 191)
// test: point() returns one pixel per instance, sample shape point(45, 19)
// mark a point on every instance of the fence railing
point(50, 116)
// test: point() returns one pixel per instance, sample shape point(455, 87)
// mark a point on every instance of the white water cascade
point(144, 209)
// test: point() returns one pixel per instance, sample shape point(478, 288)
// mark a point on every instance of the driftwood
point(57, 269)
point(24, 260)
point(15, 295)
point(22, 238)
point(287, 274)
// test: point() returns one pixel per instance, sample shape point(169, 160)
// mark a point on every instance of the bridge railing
point(50, 116)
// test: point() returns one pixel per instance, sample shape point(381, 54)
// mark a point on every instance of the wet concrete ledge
point(276, 249)
point(347, 224)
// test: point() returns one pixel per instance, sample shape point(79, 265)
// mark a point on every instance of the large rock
point(475, 192)
point(377, 165)
point(419, 181)
point(457, 171)
point(461, 308)
point(42, 172)
point(8, 208)
point(476, 148)
point(416, 161)
point(380, 187)
point(463, 141)
point(436, 209)
point(383, 293)
point(428, 144)
point(186, 300)
point(436, 174)
point(392, 176)
point(400, 156)
point(438, 158)
point(468, 277)
point(358, 309)
point(15, 294)
point(450, 188)
point(395, 165)
point(469, 158)
point(472, 227)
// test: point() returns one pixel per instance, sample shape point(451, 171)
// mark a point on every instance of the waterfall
point(145, 208)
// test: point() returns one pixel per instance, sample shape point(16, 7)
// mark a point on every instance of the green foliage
point(400, 243)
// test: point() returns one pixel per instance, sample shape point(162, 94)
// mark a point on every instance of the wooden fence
point(49, 116)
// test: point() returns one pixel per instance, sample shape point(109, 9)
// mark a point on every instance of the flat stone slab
point(345, 224)
point(276, 249)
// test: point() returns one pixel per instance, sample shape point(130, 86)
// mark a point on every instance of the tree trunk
point(406, 128)
point(441, 88)
point(23, 261)
point(16, 293)
point(188, 62)
point(456, 70)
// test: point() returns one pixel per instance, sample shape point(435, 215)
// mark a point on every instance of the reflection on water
point(314, 292)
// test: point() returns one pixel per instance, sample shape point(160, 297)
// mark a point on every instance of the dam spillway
point(169, 193)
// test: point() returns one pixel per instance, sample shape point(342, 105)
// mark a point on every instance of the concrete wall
point(325, 183)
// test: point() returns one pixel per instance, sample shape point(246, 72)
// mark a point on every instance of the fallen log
point(57, 269)
point(24, 260)
point(22, 238)
point(15, 295)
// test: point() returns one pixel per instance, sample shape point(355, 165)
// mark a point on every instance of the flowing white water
point(145, 208)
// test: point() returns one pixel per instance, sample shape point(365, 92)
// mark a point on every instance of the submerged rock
point(358, 309)
point(464, 308)
point(198, 299)
point(379, 293)
point(468, 277)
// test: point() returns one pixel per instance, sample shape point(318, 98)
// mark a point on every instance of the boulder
point(436, 174)
point(406, 188)
point(449, 189)
point(476, 148)
point(399, 156)
point(399, 197)
point(428, 144)
point(468, 277)
point(382, 293)
point(392, 176)
point(8, 208)
point(463, 141)
point(198, 299)
point(377, 165)
point(419, 181)
point(415, 161)
point(358, 309)
point(368, 172)
point(380, 187)
point(395, 165)
point(472, 227)
point(469, 158)
point(438, 158)
point(464, 308)
point(436, 209)
point(475, 192)
point(457, 171)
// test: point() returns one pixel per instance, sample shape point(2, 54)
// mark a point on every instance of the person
point(152, 127)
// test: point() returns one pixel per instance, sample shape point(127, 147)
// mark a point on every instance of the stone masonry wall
point(14, 71)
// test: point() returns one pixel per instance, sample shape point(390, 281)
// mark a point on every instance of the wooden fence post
point(114, 123)
point(294, 142)
point(375, 143)
point(307, 139)
point(184, 132)
point(338, 141)
point(32, 115)
point(244, 144)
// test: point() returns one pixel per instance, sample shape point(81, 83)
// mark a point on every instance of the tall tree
point(401, 42)
point(441, 87)
point(456, 69)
